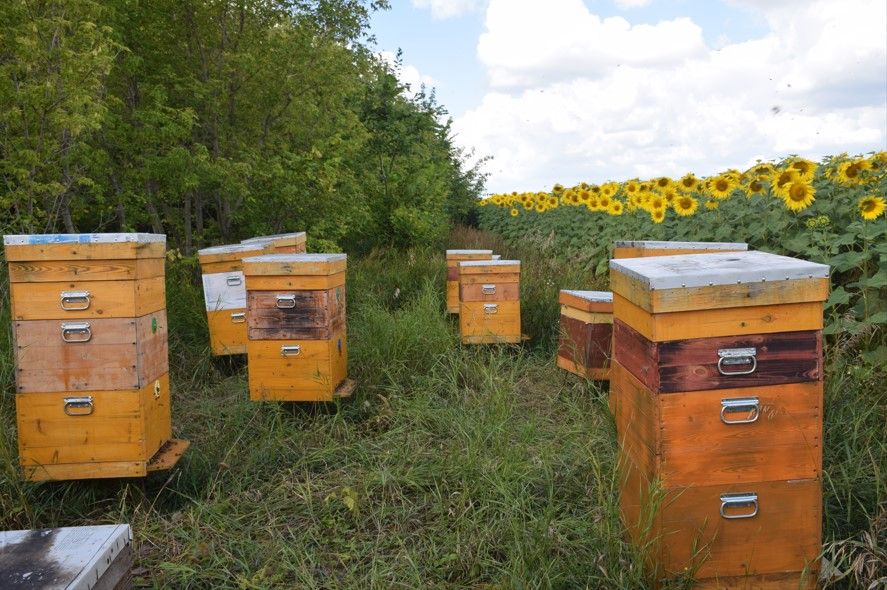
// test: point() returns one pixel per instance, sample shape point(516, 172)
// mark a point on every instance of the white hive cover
point(231, 248)
point(593, 296)
point(469, 252)
point(728, 268)
point(289, 258)
point(36, 239)
point(272, 237)
point(681, 245)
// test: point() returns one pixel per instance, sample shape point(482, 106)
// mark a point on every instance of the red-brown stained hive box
point(586, 333)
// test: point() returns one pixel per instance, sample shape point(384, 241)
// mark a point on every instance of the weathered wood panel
point(84, 251)
point(314, 315)
point(227, 331)
point(296, 283)
point(55, 271)
point(90, 470)
point(280, 265)
point(584, 343)
point(105, 299)
point(491, 292)
point(480, 279)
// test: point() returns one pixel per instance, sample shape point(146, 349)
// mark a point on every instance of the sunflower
point(584, 195)
point(871, 207)
point(631, 187)
point(685, 205)
point(687, 183)
point(782, 181)
point(657, 203)
point(552, 203)
point(711, 205)
point(852, 171)
point(593, 203)
point(805, 168)
point(670, 195)
point(721, 187)
point(595, 190)
point(615, 208)
point(514, 212)
point(558, 189)
point(762, 169)
point(605, 202)
point(755, 187)
point(878, 162)
point(799, 196)
point(663, 183)
point(658, 215)
point(540, 208)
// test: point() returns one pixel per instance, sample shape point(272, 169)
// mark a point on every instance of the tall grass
point(451, 466)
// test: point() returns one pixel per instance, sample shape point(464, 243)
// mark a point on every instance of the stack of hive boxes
point(586, 333)
point(645, 248)
point(717, 370)
point(224, 292)
point(293, 243)
point(489, 301)
point(297, 348)
point(89, 321)
point(453, 259)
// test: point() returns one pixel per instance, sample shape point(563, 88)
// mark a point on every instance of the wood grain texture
point(692, 365)
point(121, 354)
point(501, 292)
point(295, 283)
point(221, 266)
point(482, 279)
point(227, 336)
point(586, 344)
point(681, 439)
point(735, 321)
point(54, 271)
point(453, 296)
point(802, 580)
point(316, 315)
point(312, 375)
point(588, 317)
point(235, 254)
point(295, 269)
point(627, 252)
point(581, 304)
point(477, 326)
point(108, 299)
point(685, 530)
point(577, 369)
point(719, 296)
point(91, 470)
point(84, 251)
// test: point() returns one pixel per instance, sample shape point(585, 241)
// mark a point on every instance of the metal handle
point(290, 350)
point(234, 281)
point(750, 406)
point(238, 317)
point(286, 301)
point(737, 356)
point(491, 308)
point(79, 406)
point(75, 300)
point(70, 329)
point(744, 500)
point(488, 289)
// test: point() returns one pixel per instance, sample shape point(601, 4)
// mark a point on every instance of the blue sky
point(544, 89)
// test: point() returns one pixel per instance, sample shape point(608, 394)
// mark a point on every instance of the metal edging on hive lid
point(231, 249)
point(314, 257)
point(707, 270)
point(593, 296)
point(489, 263)
point(469, 252)
point(119, 238)
point(297, 235)
point(664, 245)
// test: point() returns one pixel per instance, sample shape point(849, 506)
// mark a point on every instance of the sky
point(570, 90)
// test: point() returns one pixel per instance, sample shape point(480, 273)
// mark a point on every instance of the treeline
point(212, 120)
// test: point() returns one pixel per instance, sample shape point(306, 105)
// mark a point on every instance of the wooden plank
point(157, 413)
point(209, 268)
point(567, 298)
point(629, 252)
point(452, 273)
point(290, 243)
point(107, 299)
point(120, 354)
point(477, 325)
point(736, 321)
point(84, 251)
point(227, 331)
point(453, 296)
point(636, 354)
point(719, 296)
point(283, 265)
point(802, 580)
point(54, 271)
point(297, 283)
point(586, 344)
point(480, 279)
point(577, 369)
point(311, 375)
point(491, 338)
point(316, 315)
point(168, 455)
point(454, 256)
point(588, 317)
point(493, 267)
point(90, 470)
point(231, 253)
point(489, 292)
point(637, 419)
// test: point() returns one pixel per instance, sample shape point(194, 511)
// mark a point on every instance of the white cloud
point(592, 99)
point(408, 74)
point(625, 4)
point(443, 9)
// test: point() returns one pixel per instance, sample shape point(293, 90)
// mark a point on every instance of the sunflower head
point(558, 189)
point(871, 207)
point(687, 182)
point(658, 215)
point(709, 204)
point(805, 168)
point(799, 196)
point(514, 212)
point(685, 205)
point(615, 208)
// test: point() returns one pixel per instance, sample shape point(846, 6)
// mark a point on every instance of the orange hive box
point(716, 385)
point(489, 301)
point(90, 332)
point(586, 333)
point(453, 259)
point(297, 348)
point(293, 243)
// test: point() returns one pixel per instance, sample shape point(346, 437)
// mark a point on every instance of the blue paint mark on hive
point(339, 344)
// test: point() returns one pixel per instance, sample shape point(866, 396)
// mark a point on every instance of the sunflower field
point(831, 212)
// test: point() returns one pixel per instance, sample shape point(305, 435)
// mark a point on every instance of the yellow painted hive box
point(453, 259)
point(586, 333)
point(716, 385)
point(489, 301)
point(90, 339)
point(297, 347)
point(224, 293)
point(292, 243)
point(644, 248)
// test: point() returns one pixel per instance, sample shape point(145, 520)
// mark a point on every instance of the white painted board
point(224, 290)
point(593, 296)
point(36, 239)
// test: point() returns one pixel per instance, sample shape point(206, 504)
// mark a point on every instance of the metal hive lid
point(705, 270)
point(593, 296)
point(489, 263)
point(118, 238)
point(469, 252)
point(289, 258)
point(297, 235)
point(665, 245)
point(231, 249)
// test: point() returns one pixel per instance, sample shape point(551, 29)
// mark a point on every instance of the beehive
point(717, 390)
point(644, 248)
point(586, 333)
point(224, 292)
point(92, 385)
point(293, 243)
point(489, 301)
point(297, 348)
point(453, 259)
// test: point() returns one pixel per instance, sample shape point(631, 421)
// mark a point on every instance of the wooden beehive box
point(453, 259)
point(489, 301)
point(297, 348)
point(69, 558)
point(644, 248)
point(292, 243)
point(586, 333)
point(716, 383)
point(224, 293)
point(90, 338)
